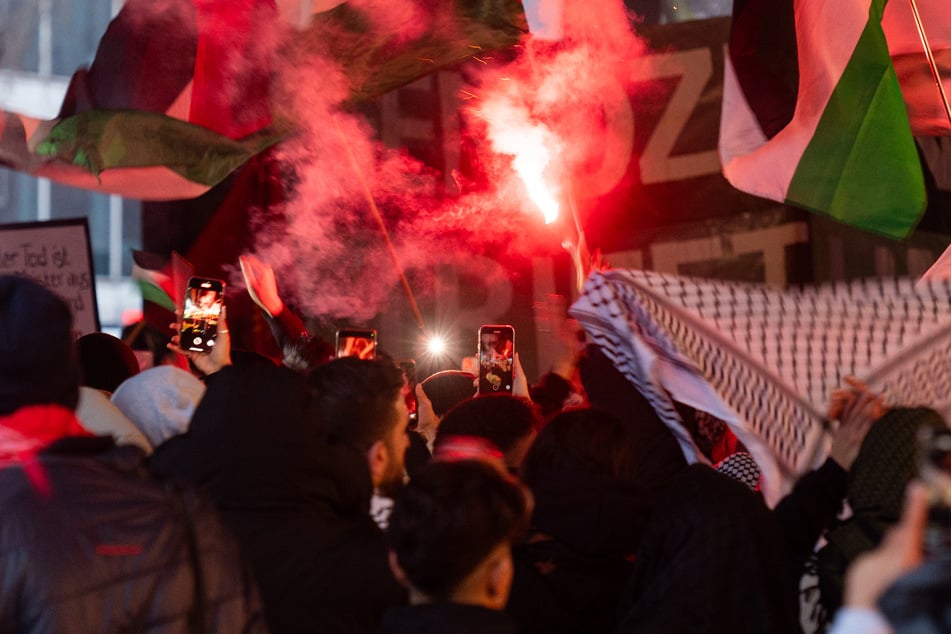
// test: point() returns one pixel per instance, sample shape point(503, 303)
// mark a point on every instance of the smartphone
point(934, 469)
point(204, 299)
point(355, 342)
point(409, 388)
point(496, 358)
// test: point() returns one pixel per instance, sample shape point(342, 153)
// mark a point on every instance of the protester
point(590, 512)
point(159, 401)
point(891, 576)
point(295, 485)
point(301, 351)
point(508, 422)
point(99, 415)
point(451, 537)
point(436, 395)
point(105, 361)
point(886, 463)
point(89, 542)
point(658, 456)
point(711, 560)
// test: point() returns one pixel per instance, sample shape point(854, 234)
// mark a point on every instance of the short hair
point(583, 440)
point(354, 399)
point(450, 517)
point(105, 361)
point(502, 419)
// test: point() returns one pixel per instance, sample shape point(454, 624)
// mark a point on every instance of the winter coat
point(90, 542)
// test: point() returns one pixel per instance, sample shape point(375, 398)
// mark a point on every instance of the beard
point(392, 481)
point(394, 476)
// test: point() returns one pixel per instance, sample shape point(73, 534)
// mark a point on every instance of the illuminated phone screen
point(496, 359)
point(204, 301)
point(356, 343)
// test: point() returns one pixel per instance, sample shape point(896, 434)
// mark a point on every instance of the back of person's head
point(160, 401)
point(508, 422)
point(354, 399)
point(584, 441)
point(450, 518)
point(582, 470)
point(105, 361)
point(37, 360)
point(448, 388)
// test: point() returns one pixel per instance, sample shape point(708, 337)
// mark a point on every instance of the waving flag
point(766, 360)
point(838, 141)
point(926, 112)
point(178, 94)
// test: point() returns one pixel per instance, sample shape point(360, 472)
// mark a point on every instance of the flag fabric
point(165, 111)
point(841, 143)
point(178, 94)
point(766, 360)
point(926, 112)
point(161, 280)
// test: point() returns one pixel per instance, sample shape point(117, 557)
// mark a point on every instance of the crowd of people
point(235, 494)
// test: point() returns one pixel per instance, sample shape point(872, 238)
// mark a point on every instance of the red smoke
point(325, 242)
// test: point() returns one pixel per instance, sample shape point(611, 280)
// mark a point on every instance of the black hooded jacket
point(299, 506)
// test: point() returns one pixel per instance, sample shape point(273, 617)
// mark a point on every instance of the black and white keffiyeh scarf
point(766, 360)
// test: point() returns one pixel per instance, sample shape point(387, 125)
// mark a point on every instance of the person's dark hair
point(449, 518)
point(105, 361)
point(37, 359)
point(499, 418)
point(448, 388)
point(583, 440)
point(354, 399)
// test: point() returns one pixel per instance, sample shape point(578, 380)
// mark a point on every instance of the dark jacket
point(299, 506)
point(446, 618)
point(570, 574)
point(90, 542)
point(712, 560)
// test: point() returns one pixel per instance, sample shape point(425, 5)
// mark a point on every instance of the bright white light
point(436, 345)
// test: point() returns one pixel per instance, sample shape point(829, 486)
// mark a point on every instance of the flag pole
point(382, 226)
point(931, 60)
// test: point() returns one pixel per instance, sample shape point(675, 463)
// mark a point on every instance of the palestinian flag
point(178, 95)
point(162, 281)
point(813, 114)
point(164, 112)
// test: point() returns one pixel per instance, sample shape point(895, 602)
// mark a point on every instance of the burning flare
point(531, 144)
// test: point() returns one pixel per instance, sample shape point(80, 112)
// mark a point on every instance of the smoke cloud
point(325, 241)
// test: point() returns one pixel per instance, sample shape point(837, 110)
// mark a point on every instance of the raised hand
point(262, 287)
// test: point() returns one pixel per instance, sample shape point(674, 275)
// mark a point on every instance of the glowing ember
point(513, 132)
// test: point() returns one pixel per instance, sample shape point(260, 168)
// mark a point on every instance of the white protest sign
point(56, 254)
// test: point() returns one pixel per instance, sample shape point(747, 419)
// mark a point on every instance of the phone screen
point(409, 387)
point(356, 343)
point(204, 300)
point(496, 359)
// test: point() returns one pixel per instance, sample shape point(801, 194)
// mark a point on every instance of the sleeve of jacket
point(809, 509)
point(300, 350)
